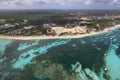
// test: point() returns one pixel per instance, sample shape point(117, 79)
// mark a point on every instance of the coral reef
point(54, 71)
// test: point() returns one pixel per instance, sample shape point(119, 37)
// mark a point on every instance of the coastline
point(59, 37)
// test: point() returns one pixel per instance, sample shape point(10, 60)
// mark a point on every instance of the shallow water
point(98, 53)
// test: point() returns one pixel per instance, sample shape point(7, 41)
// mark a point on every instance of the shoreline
point(59, 37)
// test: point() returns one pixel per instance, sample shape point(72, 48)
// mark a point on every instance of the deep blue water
point(99, 53)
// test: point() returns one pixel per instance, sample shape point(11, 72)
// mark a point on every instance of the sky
point(59, 4)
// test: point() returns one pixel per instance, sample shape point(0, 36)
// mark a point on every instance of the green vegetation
point(18, 21)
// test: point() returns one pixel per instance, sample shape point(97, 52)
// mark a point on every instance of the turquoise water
point(113, 62)
point(3, 44)
point(21, 62)
point(99, 57)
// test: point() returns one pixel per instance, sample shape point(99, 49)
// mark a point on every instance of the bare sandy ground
point(77, 29)
point(58, 37)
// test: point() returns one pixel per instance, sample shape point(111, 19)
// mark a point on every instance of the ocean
point(98, 58)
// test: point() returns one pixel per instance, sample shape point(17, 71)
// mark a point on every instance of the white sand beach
point(59, 37)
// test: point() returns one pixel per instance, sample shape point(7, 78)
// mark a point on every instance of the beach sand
point(59, 37)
